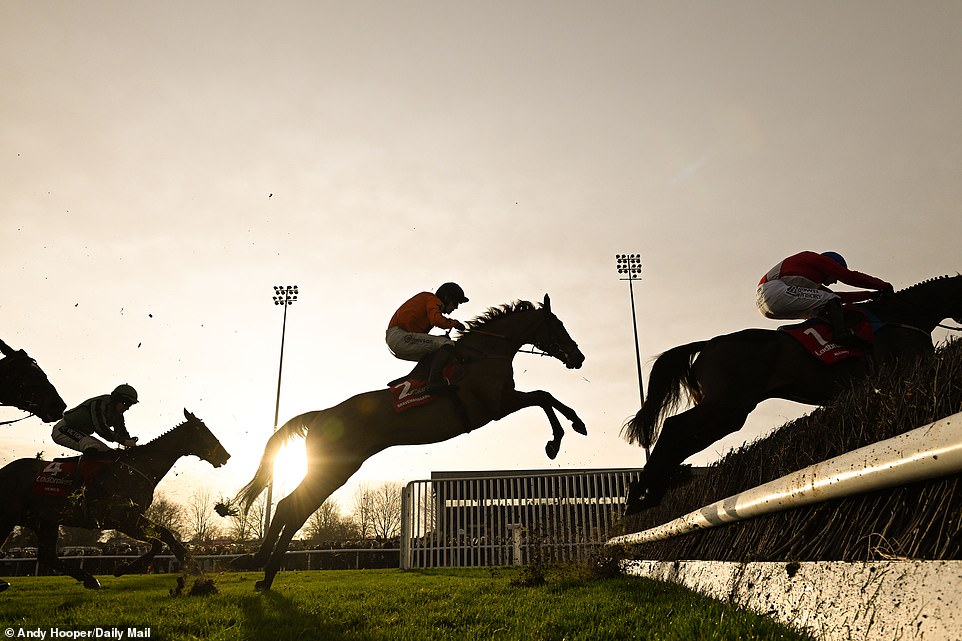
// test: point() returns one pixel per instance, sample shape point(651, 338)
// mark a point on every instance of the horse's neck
point(502, 337)
point(924, 305)
point(154, 459)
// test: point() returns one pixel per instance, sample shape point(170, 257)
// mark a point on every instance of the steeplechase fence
point(897, 598)
point(472, 519)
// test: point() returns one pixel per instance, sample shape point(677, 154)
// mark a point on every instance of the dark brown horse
point(339, 439)
point(114, 499)
point(727, 376)
point(24, 385)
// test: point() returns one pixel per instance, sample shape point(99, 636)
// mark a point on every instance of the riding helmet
point(836, 257)
point(125, 392)
point(451, 292)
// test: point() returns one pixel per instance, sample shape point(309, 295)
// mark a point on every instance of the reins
point(17, 420)
point(481, 332)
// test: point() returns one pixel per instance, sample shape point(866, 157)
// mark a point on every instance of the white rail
point(927, 452)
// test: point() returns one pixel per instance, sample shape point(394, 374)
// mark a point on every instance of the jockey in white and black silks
point(407, 332)
point(100, 416)
point(795, 288)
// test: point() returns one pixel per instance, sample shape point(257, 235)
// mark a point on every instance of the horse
point(24, 385)
point(115, 498)
point(339, 439)
point(726, 377)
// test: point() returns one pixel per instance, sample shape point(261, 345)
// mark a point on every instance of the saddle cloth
point(62, 477)
point(411, 391)
point(816, 336)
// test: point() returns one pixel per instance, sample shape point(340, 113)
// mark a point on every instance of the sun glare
point(289, 468)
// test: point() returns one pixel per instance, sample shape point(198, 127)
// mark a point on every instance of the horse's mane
point(501, 311)
point(927, 282)
point(171, 430)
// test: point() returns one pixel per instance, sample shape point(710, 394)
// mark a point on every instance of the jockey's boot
point(436, 383)
point(841, 333)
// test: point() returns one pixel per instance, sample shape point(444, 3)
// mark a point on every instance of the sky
point(164, 165)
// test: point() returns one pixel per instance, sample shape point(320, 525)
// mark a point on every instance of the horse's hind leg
point(47, 555)
point(294, 510)
point(259, 558)
point(681, 436)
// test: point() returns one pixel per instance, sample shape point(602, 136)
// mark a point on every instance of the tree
point(386, 519)
point(168, 514)
point(328, 524)
point(200, 517)
point(249, 525)
point(364, 510)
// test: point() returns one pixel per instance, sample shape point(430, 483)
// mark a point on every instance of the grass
point(393, 605)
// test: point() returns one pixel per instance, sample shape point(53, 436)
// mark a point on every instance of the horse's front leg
point(143, 529)
point(516, 400)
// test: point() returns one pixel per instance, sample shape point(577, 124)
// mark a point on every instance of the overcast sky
point(163, 165)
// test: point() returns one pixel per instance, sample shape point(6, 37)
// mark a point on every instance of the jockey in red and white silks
point(796, 288)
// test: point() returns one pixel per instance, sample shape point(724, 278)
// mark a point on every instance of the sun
point(289, 468)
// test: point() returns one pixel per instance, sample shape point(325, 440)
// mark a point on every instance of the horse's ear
point(6, 349)
point(189, 416)
point(547, 302)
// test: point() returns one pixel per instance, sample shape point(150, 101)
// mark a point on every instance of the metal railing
point(509, 518)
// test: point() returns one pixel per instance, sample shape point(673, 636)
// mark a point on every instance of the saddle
point(411, 390)
point(815, 336)
point(63, 477)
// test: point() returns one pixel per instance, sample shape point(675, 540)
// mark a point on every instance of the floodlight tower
point(629, 266)
point(285, 296)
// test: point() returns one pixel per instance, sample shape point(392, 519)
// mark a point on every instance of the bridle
point(554, 350)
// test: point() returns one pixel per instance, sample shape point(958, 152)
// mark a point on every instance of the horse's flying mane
point(498, 312)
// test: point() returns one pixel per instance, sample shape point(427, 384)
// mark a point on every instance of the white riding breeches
point(785, 300)
point(412, 346)
point(78, 441)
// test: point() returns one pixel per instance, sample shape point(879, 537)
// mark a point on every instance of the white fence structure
point(474, 519)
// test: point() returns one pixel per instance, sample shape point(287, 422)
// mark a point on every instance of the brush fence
point(835, 601)
point(509, 518)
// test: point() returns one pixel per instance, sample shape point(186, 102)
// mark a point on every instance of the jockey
point(407, 333)
point(101, 416)
point(796, 288)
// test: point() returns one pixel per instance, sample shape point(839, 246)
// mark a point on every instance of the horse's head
point(204, 444)
point(551, 337)
point(24, 385)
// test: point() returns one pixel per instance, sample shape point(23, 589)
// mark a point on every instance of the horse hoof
point(580, 428)
point(91, 583)
point(4, 585)
point(262, 586)
point(551, 449)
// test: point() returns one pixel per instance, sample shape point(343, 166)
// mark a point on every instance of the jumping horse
point(115, 498)
point(24, 385)
point(339, 439)
point(726, 377)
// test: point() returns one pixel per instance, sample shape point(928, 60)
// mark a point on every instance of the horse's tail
point(297, 426)
point(671, 373)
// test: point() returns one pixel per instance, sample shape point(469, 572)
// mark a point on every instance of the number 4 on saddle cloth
point(815, 335)
point(64, 476)
point(411, 390)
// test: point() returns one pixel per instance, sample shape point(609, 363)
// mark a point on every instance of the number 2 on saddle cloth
point(411, 391)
